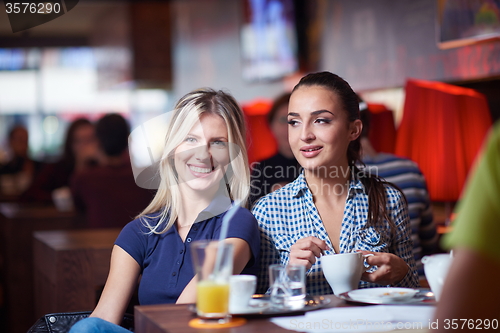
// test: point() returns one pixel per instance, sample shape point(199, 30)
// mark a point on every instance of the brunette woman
point(332, 206)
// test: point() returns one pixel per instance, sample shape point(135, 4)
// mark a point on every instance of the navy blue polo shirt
point(165, 260)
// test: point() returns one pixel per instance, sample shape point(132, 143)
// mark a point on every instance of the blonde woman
point(203, 169)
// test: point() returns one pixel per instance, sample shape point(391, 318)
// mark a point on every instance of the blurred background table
point(17, 223)
point(70, 268)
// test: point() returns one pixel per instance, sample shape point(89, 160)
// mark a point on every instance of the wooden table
point(172, 318)
point(70, 267)
point(17, 223)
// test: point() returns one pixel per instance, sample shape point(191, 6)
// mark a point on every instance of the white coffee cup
point(241, 289)
point(343, 271)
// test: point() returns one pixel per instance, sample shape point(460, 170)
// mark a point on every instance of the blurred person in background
point(79, 153)
point(471, 291)
point(282, 168)
point(107, 194)
point(405, 174)
point(19, 171)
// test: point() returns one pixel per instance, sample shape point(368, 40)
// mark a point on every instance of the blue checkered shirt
point(289, 214)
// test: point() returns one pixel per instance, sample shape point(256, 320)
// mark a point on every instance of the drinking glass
point(213, 263)
point(288, 286)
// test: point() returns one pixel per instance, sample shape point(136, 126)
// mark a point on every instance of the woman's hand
point(306, 250)
point(390, 268)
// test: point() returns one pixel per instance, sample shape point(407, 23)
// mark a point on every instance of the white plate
point(384, 295)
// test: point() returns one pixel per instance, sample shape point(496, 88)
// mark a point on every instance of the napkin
point(377, 318)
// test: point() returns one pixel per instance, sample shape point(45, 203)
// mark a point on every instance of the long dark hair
point(374, 185)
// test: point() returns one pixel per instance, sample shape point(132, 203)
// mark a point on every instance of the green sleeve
point(477, 225)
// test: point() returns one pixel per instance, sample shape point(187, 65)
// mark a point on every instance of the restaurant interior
point(432, 92)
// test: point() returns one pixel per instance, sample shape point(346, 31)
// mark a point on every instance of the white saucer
point(255, 306)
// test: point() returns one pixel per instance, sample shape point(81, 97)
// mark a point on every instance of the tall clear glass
point(213, 263)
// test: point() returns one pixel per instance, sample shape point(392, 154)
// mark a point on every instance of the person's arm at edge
point(470, 290)
point(471, 283)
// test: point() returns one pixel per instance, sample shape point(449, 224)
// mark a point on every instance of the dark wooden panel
point(74, 264)
point(151, 43)
point(17, 224)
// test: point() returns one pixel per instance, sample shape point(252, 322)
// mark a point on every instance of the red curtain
point(382, 134)
point(260, 140)
point(442, 129)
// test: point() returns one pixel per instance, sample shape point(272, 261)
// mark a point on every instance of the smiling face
point(319, 131)
point(201, 159)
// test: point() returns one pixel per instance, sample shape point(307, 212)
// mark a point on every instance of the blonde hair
point(187, 112)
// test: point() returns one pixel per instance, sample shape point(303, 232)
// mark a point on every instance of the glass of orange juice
point(213, 263)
